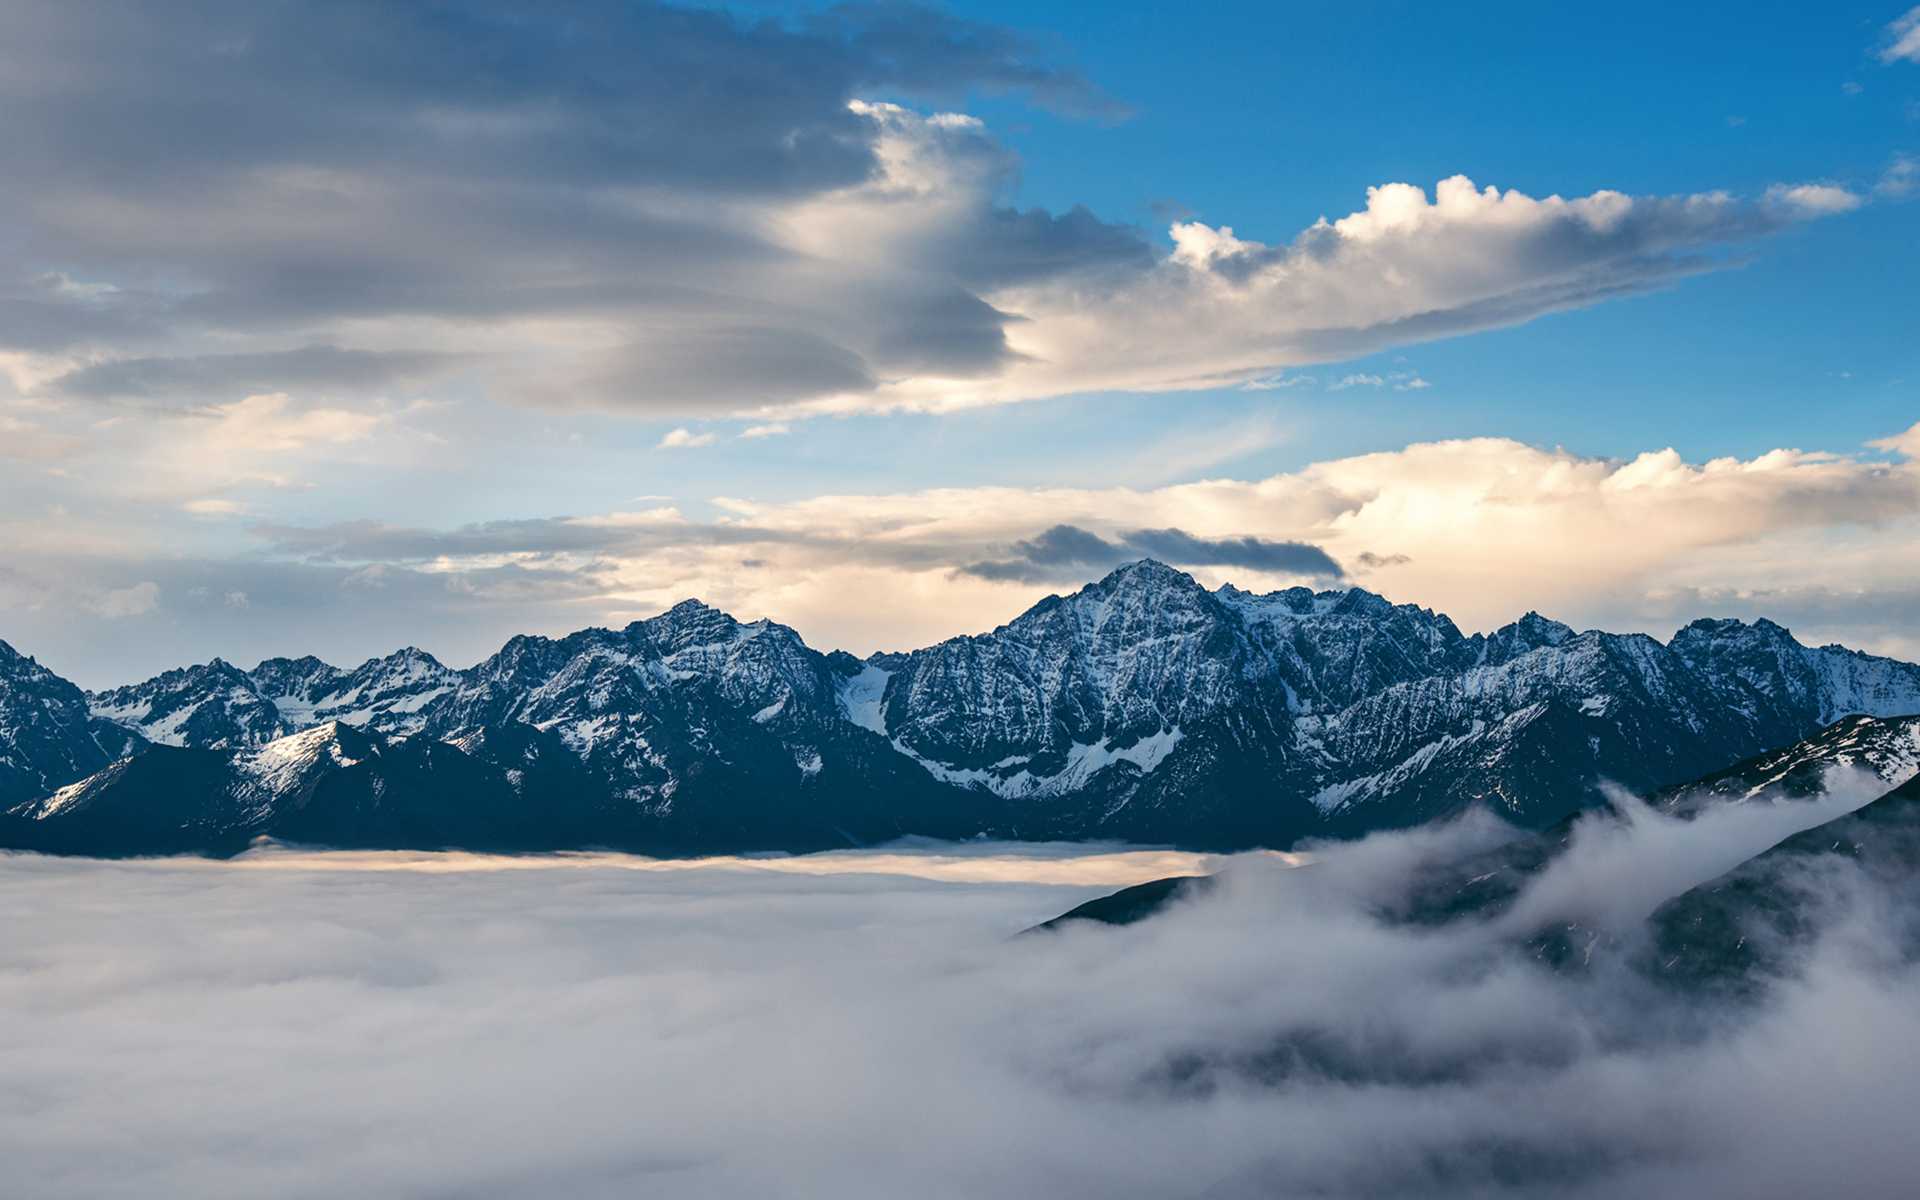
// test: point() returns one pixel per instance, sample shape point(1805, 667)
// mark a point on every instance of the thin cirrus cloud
point(1359, 379)
point(398, 207)
point(1903, 38)
point(272, 423)
point(1901, 178)
point(1399, 381)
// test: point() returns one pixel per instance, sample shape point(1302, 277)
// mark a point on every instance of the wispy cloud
point(132, 601)
point(1903, 38)
point(213, 506)
point(1399, 381)
point(1813, 199)
point(685, 439)
point(1360, 379)
point(1279, 382)
point(1901, 179)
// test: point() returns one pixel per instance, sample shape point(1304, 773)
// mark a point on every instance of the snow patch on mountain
point(861, 698)
point(1889, 750)
point(63, 798)
point(1084, 760)
point(770, 711)
point(276, 763)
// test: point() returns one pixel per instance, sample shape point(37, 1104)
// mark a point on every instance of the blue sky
point(1266, 116)
point(463, 329)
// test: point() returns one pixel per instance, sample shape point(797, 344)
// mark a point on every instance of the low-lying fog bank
point(298, 1023)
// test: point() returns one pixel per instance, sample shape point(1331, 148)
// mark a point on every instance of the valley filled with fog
point(873, 1024)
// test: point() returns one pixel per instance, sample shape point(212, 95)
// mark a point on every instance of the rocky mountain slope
point(1884, 750)
point(48, 735)
point(1143, 706)
point(1735, 933)
point(1730, 932)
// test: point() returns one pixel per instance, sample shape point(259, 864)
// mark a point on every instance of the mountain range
point(1143, 707)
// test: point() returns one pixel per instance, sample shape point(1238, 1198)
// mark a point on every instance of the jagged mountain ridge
point(218, 706)
point(1886, 749)
point(1143, 706)
point(1377, 714)
point(1701, 931)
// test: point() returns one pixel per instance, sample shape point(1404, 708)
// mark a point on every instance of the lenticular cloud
point(302, 1024)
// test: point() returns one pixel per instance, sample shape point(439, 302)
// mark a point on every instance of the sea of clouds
point(307, 1024)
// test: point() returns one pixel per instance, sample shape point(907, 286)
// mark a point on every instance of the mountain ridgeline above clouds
point(1817, 791)
point(1142, 707)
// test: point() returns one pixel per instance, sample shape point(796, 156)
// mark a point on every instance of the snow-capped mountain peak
point(48, 737)
point(214, 705)
point(217, 705)
point(1143, 705)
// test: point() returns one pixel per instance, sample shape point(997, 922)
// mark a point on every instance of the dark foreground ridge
point(1143, 707)
point(1730, 934)
point(1133, 904)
